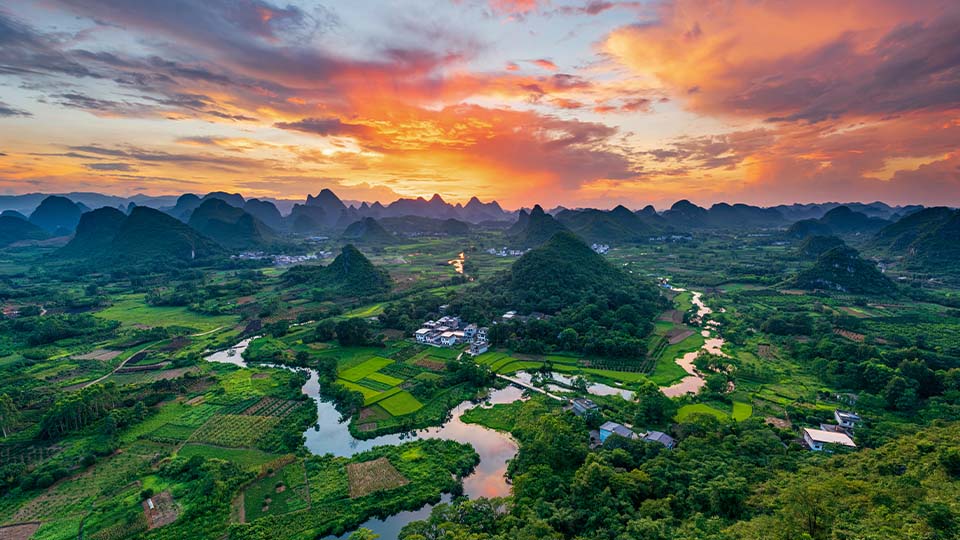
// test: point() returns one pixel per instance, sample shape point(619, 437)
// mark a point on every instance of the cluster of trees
point(627, 489)
point(36, 330)
point(74, 411)
point(899, 379)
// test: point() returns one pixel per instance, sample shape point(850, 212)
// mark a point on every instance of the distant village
point(282, 260)
point(504, 252)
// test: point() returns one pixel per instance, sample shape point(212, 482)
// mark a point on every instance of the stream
point(331, 436)
point(694, 381)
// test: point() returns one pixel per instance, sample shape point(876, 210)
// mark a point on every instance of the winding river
point(331, 436)
point(694, 381)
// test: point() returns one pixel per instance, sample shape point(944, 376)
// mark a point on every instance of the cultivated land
point(110, 405)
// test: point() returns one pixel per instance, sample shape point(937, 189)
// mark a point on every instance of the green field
point(400, 404)
point(700, 408)
point(742, 411)
point(133, 310)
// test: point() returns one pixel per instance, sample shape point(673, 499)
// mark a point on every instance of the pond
point(331, 436)
point(594, 388)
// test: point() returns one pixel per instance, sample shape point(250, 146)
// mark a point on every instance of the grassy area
point(133, 310)
point(366, 311)
point(700, 408)
point(742, 410)
point(401, 403)
point(666, 371)
point(368, 367)
point(248, 458)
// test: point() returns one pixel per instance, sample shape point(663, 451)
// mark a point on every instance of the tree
point(353, 332)
point(364, 534)
point(9, 415)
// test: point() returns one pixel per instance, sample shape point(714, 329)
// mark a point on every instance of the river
point(331, 436)
point(694, 381)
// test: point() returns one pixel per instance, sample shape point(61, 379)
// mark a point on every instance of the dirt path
point(208, 332)
point(132, 356)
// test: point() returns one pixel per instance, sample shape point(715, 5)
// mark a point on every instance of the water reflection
point(458, 262)
point(331, 436)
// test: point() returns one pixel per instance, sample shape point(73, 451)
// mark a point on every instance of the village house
point(846, 419)
point(613, 428)
point(818, 439)
point(470, 331)
point(582, 406)
point(660, 437)
point(479, 347)
point(451, 338)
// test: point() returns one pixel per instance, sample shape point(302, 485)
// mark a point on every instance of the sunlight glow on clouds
point(558, 102)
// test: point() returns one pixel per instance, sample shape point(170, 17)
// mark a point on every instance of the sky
point(579, 103)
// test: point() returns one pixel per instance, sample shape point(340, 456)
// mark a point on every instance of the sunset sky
point(558, 102)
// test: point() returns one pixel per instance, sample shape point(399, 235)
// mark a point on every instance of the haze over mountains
point(192, 226)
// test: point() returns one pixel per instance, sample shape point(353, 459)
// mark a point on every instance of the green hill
point(897, 238)
point(146, 237)
point(350, 274)
point(809, 227)
point(533, 229)
point(95, 233)
point(815, 246)
point(842, 269)
point(13, 229)
point(565, 271)
point(368, 231)
point(230, 226)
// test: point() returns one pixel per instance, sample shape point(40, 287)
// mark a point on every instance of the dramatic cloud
point(525, 101)
point(323, 126)
point(7, 110)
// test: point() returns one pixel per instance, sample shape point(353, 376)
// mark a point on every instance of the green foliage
point(350, 274)
point(842, 269)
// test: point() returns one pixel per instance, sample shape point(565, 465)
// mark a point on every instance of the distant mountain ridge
point(230, 226)
point(839, 220)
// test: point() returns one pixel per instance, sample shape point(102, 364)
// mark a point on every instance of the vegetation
point(107, 402)
point(350, 274)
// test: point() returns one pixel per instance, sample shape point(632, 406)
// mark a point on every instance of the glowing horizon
point(593, 103)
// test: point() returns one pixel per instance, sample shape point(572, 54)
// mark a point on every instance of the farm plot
point(160, 510)
point(102, 355)
point(278, 493)
point(371, 476)
point(233, 430)
point(270, 406)
point(383, 378)
point(368, 367)
point(401, 403)
point(247, 458)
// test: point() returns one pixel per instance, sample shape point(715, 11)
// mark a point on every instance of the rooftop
point(829, 437)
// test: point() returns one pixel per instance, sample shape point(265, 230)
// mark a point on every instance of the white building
point(846, 419)
point(818, 439)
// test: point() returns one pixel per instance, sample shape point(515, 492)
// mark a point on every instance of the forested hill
point(842, 269)
point(108, 239)
point(587, 303)
point(350, 274)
